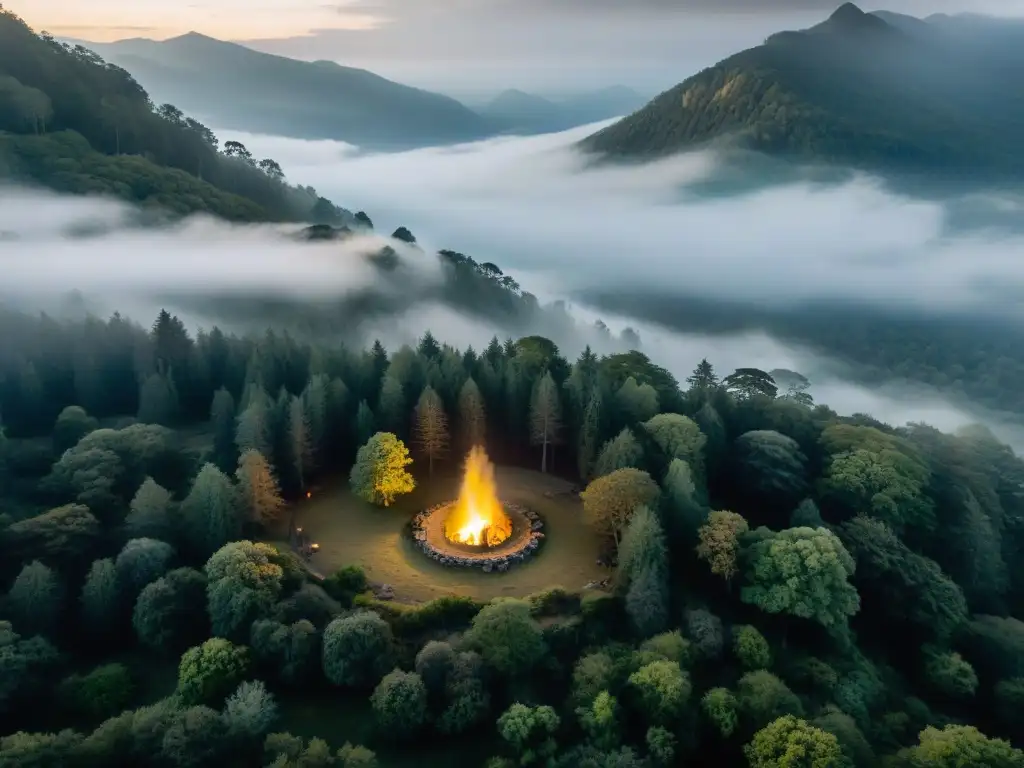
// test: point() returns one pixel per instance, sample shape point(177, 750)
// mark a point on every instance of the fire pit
point(478, 530)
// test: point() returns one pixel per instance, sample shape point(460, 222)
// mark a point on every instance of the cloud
point(534, 205)
point(562, 227)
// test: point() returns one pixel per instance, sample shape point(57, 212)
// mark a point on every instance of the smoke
point(564, 227)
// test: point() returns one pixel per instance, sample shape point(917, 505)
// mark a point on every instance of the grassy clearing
point(351, 532)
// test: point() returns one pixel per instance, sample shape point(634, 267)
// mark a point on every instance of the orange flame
point(478, 517)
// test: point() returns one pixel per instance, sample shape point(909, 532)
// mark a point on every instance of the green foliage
point(621, 452)
point(959, 745)
point(379, 474)
point(721, 708)
point(207, 673)
point(950, 674)
point(661, 690)
point(72, 425)
point(530, 732)
point(803, 572)
point(763, 697)
point(250, 711)
point(507, 637)
point(751, 648)
point(400, 703)
point(772, 464)
point(35, 599)
point(345, 583)
point(242, 584)
point(661, 745)
point(600, 721)
point(610, 500)
point(165, 617)
point(212, 511)
point(102, 693)
point(680, 438)
point(643, 572)
point(466, 697)
point(140, 562)
point(720, 542)
point(288, 652)
point(1009, 696)
point(358, 650)
point(101, 598)
point(705, 629)
point(637, 402)
point(149, 515)
point(671, 646)
point(792, 743)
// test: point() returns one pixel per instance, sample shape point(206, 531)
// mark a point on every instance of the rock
point(487, 568)
point(502, 567)
point(384, 592)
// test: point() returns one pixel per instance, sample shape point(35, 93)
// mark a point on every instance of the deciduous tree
point(719, 542)
point(379, 473)
point(792, 743)
point(804, 572)
point(610, 501)
point(620, 452)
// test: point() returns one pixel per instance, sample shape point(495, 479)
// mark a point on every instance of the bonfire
point(478, 518)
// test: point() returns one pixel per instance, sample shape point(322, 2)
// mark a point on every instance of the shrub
point(554, 601)
point(209, 672)
point(102, 693)
point(344, 584)
point(507, 637)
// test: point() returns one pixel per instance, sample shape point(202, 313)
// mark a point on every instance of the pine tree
point(703, 378)
point(428, 347)
point(158, 400)
point(364, 423)
point(590, 435)
point(430, 427)
point(253, 432)
point(300, 441)
point(391, 409)
point(258, 487)
point(545, 417)
point(472, 419)
point(150, 515)
point(314, 401)
point(212, 512)
point(222, 416)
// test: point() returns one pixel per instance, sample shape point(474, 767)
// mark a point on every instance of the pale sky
point(469, 47)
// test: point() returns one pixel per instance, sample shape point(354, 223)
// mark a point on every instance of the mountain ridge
point(853, 90)
point(232, 85)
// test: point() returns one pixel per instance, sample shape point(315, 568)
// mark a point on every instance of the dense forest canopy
point(790, 588)
point(74, 123)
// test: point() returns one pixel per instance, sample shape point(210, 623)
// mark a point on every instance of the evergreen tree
point(150, 512)
point(222, 417)
point(254, 428)
point(703, 379)
point(259, 491)
point(589, 435)
point(300, 441)
point(545, 417)
point(430, 427)
point(314, 401)
point(101, 599)
point(35, 599)
point(365, 423)
point(391, 409)
point(620, 452)
point(428, 346)
point(472, 418)
point(636, 402)
point(212, 511)
point(158, 400)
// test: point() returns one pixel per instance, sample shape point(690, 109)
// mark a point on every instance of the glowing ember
point(478, 518)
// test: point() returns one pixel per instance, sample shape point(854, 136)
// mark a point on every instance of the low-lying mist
point(564, 227)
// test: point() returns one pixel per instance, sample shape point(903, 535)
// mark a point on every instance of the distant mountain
point(879, 91)
point(232, 86)
point(515, 111)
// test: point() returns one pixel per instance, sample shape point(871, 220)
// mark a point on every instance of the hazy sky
point(467, 45)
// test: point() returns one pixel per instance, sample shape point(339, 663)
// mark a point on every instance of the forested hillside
point(790, 589)
point(854, 90)
point(74, 123)
point(248, 90)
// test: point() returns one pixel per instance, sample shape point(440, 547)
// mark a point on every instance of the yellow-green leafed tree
point(379, 474)
point(609, 501)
